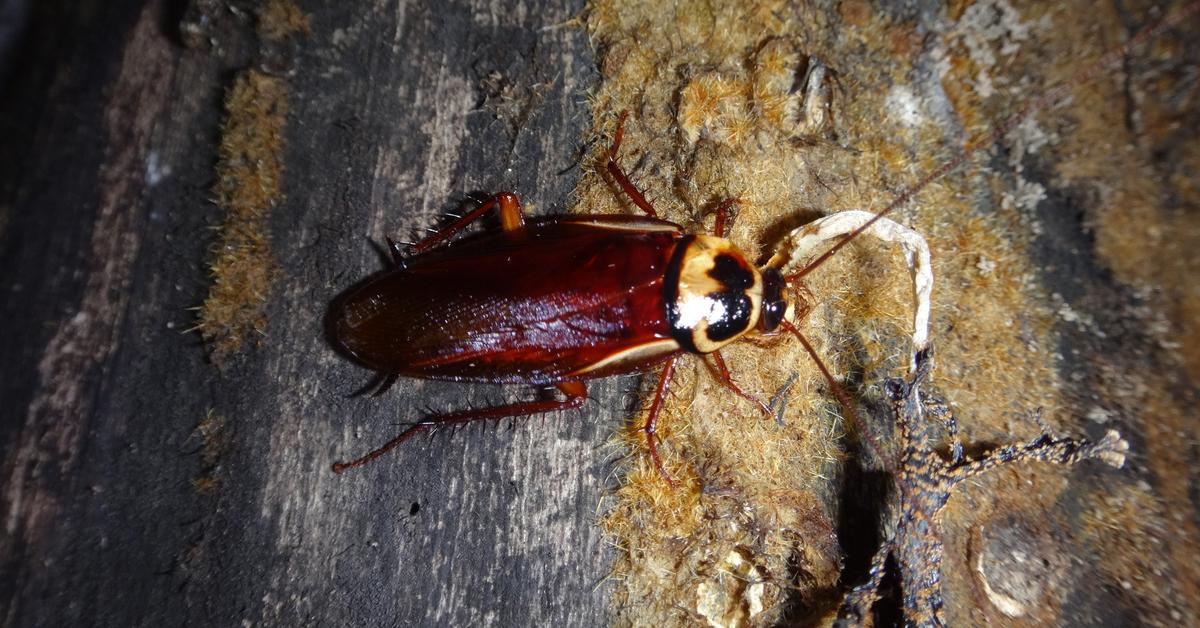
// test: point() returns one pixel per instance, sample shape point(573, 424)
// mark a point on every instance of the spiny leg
point(619, 175)
point(397, 254)
point(651, 427)
point(722, 211)
point(507, 206)
point(726, 379)
point(576, 394)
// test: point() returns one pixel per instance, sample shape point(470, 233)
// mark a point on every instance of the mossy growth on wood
point(800, 110)
point(248, 186)
point(282, 19)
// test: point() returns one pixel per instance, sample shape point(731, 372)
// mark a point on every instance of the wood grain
point(398, 110)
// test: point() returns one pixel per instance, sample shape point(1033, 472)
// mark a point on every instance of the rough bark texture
point(144, 486)
point(1060, 252)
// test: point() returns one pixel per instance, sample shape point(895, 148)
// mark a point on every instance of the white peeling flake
point(903, 104)
point(1027, 138)
point(1099, 415)
point(986, 26)
point(1029, 194)
point(156, 171)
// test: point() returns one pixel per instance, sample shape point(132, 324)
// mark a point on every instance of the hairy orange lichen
point(249, 184)
point(1131, 518)
point(281, 19)
point(1117, 145)
point(248, 187)
point(213, 433)
point(719, 109)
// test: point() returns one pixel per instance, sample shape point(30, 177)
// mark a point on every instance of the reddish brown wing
point(563, 298)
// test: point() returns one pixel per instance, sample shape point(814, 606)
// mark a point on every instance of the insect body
point(555, 301)
point(558, 300)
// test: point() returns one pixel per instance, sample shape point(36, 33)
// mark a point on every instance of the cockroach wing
point(560, 299)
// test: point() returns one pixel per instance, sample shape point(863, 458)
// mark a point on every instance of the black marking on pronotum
point(681, 333)
point(735, 278)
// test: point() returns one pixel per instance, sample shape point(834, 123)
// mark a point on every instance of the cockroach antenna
point(799, 246)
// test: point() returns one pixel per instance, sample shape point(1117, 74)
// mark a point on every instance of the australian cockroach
point(557, 300)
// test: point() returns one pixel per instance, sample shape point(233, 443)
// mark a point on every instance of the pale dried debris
point(734, 595)
point(988, 30)
point(802, 244)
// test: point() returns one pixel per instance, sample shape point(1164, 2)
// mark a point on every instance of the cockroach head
point(774, 300)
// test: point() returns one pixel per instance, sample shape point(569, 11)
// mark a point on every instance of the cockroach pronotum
point(557, 300)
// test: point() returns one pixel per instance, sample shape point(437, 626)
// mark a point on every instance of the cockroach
point(558, 300)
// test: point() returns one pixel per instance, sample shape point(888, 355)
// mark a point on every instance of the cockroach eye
point(774, 303)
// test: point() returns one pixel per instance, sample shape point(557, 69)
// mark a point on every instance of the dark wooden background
point(110, 127)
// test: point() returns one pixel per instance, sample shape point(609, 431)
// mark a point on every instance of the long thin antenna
point(973, 145)
point(860, 427)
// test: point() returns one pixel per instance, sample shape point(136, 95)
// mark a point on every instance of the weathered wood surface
point(111, 127)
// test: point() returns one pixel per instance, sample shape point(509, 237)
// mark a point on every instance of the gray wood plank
point(103, 245)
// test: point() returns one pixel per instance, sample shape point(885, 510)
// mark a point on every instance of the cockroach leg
point(512, 217)
point(651, 427)
point(507, 206)
point(575, 393)
point(722, 212)
point(619, 175)
point(726, 379)
point(397, 253)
